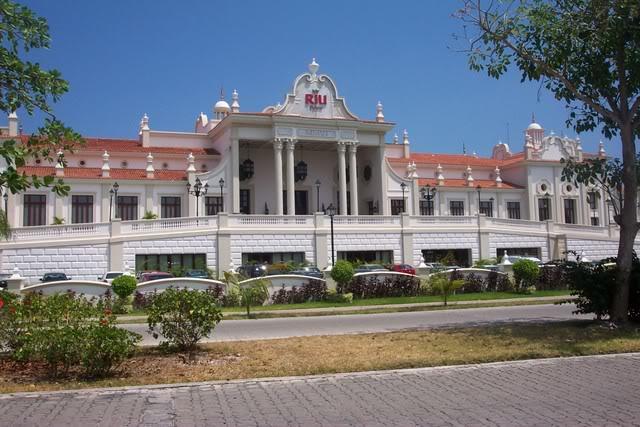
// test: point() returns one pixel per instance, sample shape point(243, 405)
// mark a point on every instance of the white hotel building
point(270, 176)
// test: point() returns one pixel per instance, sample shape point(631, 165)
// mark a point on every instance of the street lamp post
point(429, 194)
point(331, 211)
point(221, 184)
point(198, 190)
point(404, 187)
point(318, 195)
point(113, 192)
point(479, 188)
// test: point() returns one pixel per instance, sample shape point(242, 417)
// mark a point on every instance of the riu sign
point(315, 99)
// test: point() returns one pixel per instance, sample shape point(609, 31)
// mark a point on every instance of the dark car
point(197, 274)
point(309, 271)
point(154, 275)
point(54, 277)
point(252, 270)
point(4, 284)
point(403, 268)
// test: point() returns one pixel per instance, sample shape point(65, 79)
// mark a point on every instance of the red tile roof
point(461, 183)
point(96, 173)
point(457, 159)
point(133, 145)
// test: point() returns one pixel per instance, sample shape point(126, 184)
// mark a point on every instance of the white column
point(277, 165)
point(234, 203)
point(342, 175)
point(353, 177)
point(291, 183)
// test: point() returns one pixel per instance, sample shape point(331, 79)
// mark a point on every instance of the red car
point(403, 268)
point(148, 276)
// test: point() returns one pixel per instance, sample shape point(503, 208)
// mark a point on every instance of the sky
point(170, 59)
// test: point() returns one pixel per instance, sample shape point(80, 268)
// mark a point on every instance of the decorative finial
point(150, 169)
point(498, 178)
point(190, 163)
point(222, 93)
point(144, 122)
point(439, 175)
point(601, 151)
point(578, 144)
point(533, 117)
point(469, 176)
point(105, 165)
point(313, 67)
point(235, 105)
point(379, 115)
point(405, 137)
point(395, 138)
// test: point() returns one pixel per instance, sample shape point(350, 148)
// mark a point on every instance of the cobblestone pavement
point(286, 327)
point(595, 390)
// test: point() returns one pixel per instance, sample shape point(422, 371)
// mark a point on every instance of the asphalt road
point(235, 330)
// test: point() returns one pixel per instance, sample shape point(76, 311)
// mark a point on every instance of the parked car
point(368, 268)
point(435, 266)
point(309, 271)
point(4, 284)
point(514, 258)
point(148, 276)
point(403, 268)
point(109, 276)
point(196, 274)
point(252, 270)
point(54, 277)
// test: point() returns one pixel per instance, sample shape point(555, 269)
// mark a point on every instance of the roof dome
point(221, 107)
point(534, 126)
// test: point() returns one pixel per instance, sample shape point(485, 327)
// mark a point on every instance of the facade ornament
point(379, 114)
point(395, 138)
point(405, 137)
point(105, 165)
point(439, 175)
point(469, 177)
point(405, 144)
point(144, 123)
point(411, 170)
point(150, 169)
point(498, 178)
point(601, 152)
point(235, 104)
point(191, 163)
point(313, 70)
point(60, 164)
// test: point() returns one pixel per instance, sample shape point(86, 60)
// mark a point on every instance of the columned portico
point(353, 177)
point(291, 190)
point(277, 166)
point(342, 177)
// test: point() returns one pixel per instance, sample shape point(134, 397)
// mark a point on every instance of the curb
point(427, 370)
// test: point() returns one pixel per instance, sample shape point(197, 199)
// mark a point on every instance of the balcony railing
point(54, 232)
point(428, 219)
point(273, 220)
point(367, 220)
point(168, 224)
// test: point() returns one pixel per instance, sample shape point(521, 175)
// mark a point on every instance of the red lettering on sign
point(315, 99)
point(322, 99)
point(308, 99)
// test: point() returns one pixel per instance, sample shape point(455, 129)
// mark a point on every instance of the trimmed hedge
point(313, 290)
point(373, 287)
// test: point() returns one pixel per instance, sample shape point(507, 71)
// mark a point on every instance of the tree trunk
point(628, 226)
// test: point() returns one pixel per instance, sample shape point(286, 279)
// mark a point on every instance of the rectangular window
point(513, 210)
point(486, 208)
point(127, 208)
point(35, 210)
point(272, 257)
point(592, 198)
point(426, 207)
point(569, 211)
point(169, 262)
point(456, 207)
point(544, 209)
point(212, 205)
point(369, 257)
point(81, 209)
point(397, 206)
point(245, 201)
point(595, 221)
point(170, 207)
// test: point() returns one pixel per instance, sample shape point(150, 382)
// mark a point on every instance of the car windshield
point(113, 275)
point(55, 276)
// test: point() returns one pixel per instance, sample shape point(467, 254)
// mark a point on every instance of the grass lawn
point(345, 353)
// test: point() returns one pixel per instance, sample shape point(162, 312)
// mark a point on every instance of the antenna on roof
point(221, 92)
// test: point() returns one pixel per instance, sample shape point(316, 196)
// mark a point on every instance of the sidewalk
point(356, 308)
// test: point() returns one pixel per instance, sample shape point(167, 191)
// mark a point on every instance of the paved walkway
point(234, 330)
point(585, 391)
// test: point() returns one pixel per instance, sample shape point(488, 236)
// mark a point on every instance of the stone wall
point(80, 262)
point(205, 244)
point(367, 242)
point(500, 240)
point(422, 241)
point(271, 242)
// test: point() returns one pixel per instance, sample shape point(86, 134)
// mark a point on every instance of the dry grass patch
point(347, 353)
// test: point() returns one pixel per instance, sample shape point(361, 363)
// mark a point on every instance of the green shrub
point(65, 330)
point(124, 286)
point(107, 346)
point(342, 273)
point(525, 273)
point(334, 296)
point(255, 292)
point(183, 317)
point(443, 286)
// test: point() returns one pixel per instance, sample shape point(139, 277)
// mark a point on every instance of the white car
point(109, 276)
